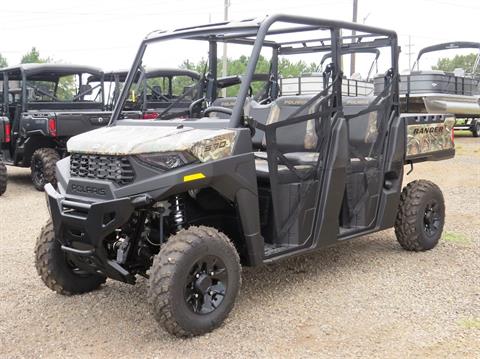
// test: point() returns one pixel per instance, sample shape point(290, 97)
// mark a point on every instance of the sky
point(107, 33)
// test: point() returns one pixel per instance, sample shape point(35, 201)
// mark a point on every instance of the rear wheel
point(194, 281)
point(421, 216)
point(43, 167)
point(3, 178)
point(476, 128)
point(57, 271)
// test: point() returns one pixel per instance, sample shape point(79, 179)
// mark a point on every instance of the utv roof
point(245, 32)
point(448, 46)
point(47, 71)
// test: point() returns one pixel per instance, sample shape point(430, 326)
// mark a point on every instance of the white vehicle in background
point(437, 91)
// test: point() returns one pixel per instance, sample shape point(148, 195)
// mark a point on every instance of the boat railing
point(309, 85)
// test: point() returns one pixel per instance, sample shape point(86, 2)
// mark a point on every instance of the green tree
point(66, 88)
point(465, 62)
point(33, 56)
point(3, 61)
point(286, 68)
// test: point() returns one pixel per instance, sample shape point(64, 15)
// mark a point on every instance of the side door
point(305, 138)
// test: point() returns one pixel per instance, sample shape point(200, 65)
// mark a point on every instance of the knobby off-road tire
point(421, 216)
point(43, 167)
point(56, 271)
point(3, 178)
point(194, 281)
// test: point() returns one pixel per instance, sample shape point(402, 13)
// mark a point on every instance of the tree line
point(286, 68)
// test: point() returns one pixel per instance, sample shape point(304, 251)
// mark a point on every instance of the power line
point(354, 19)
point(410, 52)
point(226, 5)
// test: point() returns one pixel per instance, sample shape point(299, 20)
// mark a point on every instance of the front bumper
point(82, 228)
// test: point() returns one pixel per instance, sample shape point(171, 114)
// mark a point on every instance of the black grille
point(113, 168)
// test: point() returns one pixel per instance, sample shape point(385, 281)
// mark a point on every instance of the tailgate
point(429, 137)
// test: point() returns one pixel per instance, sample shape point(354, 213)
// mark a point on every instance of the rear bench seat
point(297, 142)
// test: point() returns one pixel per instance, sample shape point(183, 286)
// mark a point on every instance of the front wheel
point(194, 281)
point(3, 178)
point(421, 216)
point(56, 269)
point(43, 167)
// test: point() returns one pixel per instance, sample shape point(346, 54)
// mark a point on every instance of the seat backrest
point(297, 137)
point(259, 113)
point(363, 130)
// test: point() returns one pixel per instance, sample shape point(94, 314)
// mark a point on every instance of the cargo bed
point(430, 137)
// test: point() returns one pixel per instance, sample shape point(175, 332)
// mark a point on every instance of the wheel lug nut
point(197, 276)
point(211, 273)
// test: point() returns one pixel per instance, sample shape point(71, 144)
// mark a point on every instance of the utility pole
point(354, 19)
point(410, 52)
point(224, 57)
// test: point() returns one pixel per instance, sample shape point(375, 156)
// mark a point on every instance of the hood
point(134, 140)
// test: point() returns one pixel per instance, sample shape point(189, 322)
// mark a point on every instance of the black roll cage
point(253, 32)
point(46, 72)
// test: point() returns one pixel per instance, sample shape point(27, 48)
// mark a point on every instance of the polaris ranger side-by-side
point(44, 105)
point(187, 202)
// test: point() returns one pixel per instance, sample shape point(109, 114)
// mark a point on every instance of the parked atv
point(155, 90)
point(45, 105)
point(187, 202)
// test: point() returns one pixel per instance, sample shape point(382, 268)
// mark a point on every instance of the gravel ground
point(366, 297)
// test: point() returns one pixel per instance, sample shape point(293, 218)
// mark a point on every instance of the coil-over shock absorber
point(177, 212)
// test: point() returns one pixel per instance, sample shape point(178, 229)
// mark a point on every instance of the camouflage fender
point(425, 138)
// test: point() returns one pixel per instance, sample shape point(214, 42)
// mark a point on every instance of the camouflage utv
point(187, 202)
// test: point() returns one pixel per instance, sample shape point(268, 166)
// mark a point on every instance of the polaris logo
point(89, 189)
point(438, 129)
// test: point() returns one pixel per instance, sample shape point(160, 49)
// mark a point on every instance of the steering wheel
point(194, 105)
point(225, 110)
point(265, 101)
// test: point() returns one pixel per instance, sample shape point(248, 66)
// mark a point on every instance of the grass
point(456, 238)
point(471, 323)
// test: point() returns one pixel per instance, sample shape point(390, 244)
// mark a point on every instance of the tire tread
point(407, 215)
point(49, 157)
point(163, 270)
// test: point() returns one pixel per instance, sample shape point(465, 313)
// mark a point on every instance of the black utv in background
point(43, 106)
point(156, 90)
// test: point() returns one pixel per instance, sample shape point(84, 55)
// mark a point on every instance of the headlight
point(167, 160)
